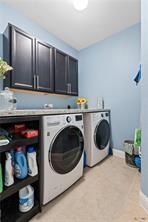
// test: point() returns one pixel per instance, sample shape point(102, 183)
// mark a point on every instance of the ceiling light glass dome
point(80, 5)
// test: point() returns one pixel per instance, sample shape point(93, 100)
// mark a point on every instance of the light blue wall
point(1, 53)
point(144, 95)
point(107, 69)
point(1, 45)
point(8, 14)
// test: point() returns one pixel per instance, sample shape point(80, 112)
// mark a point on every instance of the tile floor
point(109, 192)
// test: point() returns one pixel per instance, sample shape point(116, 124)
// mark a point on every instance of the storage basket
point(130, 152)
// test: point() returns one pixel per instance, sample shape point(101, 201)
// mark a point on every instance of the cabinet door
point(61, 69)
point(22, 59)
point(44, 67)
point(72, 76)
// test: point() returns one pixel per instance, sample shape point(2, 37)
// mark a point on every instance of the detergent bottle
point(32, 162)
point(1, 179)
point(9, 178)
point(26, 198)
point(20, 164)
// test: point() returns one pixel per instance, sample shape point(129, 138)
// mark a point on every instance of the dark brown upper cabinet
point(72, 76)
point(31, 59)
point(19, 52)
point(44, 67)
point(66, 74)
point(61, 71)
point(37, 65)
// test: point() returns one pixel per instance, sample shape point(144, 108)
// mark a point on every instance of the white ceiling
point(100, 20)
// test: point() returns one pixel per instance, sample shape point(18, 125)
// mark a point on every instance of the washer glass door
point(102, 134)
point(66, 149)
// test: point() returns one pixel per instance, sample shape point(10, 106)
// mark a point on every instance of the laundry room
point(73, 110)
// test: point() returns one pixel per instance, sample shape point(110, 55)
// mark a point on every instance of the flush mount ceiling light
point(80, 5)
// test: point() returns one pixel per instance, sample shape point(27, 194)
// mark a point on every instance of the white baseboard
point(144, 201)
point(119, 153)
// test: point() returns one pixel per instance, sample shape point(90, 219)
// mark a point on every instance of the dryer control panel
point(100, 115)
point(105, 114)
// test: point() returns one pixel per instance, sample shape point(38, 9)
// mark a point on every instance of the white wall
point(144, 95)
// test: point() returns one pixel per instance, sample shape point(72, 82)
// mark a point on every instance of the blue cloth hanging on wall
point(138, 76)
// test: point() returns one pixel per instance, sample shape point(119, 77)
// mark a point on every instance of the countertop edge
point(44, 112)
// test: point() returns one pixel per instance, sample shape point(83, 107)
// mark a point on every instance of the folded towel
point(3, 140)
point(138, 76)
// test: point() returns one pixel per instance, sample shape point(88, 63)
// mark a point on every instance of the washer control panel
point(68, 119)
point(61, 120)
point(75, 118)
point(78, 117)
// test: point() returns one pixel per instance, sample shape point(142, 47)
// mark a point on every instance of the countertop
point(42, 112)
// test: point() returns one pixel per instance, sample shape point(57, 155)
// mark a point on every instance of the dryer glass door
point(102, 134)
point(66, 150)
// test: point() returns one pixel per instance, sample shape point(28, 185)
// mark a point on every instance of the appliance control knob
point(102, 115)
point(106, 114)
point(68, 119)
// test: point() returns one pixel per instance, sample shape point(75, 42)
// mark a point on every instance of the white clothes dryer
point(97, 136)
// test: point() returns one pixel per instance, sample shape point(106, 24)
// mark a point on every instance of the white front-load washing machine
point(97, 136)
point(62, 159)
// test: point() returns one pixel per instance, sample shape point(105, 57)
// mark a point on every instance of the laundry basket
point(130, 152)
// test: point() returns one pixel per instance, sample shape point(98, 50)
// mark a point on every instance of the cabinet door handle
point(34, 81)
point(37, 78)
point(70, 87)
